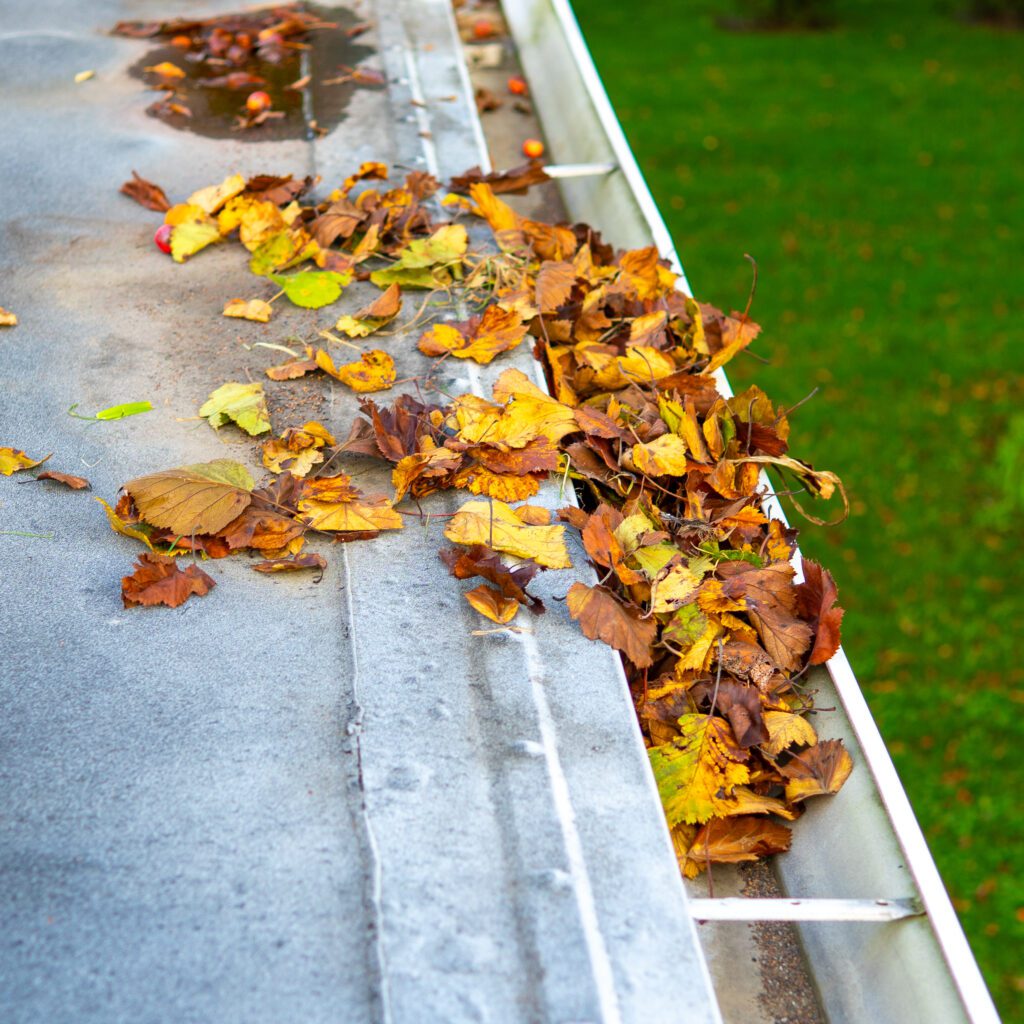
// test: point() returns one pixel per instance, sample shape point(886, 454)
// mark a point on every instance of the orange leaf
point(479, 338)
point(490, 603)
point(158, 580)
point(817, 771)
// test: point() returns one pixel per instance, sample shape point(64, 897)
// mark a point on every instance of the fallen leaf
point(151, 196)
point(12, 460)
point(511, 581)
point(298, 449)
point(373, 371)
point(698, 768)
point(83, 76)
point(312, 289)
point(213, 197)
point(294, 368)
point(817, 771)
point(373, 316)
point(7, 318)
point(427, 262)
point(479, 338)
point(664, 456)
point(786, 730)
point(158, 580)
point(491, 604)
point(118, 525)
point(243, 404)
point(603, 616)
point(295, 564)
point(495, 524)
point(516, 180)
point(332, 504)
point(76, 483)
point(734, 840)
point(816, 599)
point(165, 69)
point(249, 309)
point(200, 498)
point(193, 229)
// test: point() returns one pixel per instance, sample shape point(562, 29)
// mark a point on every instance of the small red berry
point(517, 85)
point(257, 102)
point(483, 29)
point(162, 238)
point(533, 148)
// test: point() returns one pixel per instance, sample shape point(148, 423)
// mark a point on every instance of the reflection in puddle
point(302, 61)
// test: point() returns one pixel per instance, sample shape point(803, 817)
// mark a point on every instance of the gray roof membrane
point(284, 801)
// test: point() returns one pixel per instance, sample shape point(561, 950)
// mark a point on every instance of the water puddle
point(218, 64)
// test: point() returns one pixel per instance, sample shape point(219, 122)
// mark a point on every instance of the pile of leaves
point(697, 585)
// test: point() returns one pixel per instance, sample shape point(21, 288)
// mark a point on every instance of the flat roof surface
point(285, 801)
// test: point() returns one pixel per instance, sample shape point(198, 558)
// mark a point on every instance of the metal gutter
point(865, 842)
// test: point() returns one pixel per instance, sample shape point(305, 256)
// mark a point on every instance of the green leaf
point(223, 471)
point(685, 627)
point(243, 404)
point(115, 412)
point(427, 262)
point(717, 554)
point(312, 289)
point(654, 558)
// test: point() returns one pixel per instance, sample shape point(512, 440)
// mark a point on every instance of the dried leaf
point(698, 768)
point(7, 318)
point(151, 196)
point(332, 504)
point(602, 616)
point(297, 450)
point(158, 580)
point(192, 229)
point(201, 498)
point(786, 730)
point(374, 316)
point(496, 525)
point(213, 197)
point(427, 262)
point(243, 404)
point(734, 840)
point(511, 581)
point(491, 604)
point(76, 483)
point(816, 599)
point(249, 309)
point(373, 371)
point(479, 338)
point(817, 771)
point(295, 564)
point(12, 460)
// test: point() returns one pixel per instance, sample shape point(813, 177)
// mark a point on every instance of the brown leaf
point(158, 580)
point(736, 839)
point(76, 483)
point(516, 180)
point(817, 771)
point(293, 564)
point(816, 600)
point(479, 338)
point(602, 616)
point(739, 703)
point(554, 285)
point(480, 560)
point(145, 193)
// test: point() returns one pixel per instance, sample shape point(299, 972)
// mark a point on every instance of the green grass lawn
point(875, 172)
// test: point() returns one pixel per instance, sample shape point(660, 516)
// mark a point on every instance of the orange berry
point(483, 29)
point(185, 42)
point(257, 102)
point(533, 148)
point(517, 85)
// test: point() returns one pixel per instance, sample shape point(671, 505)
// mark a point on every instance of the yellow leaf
point(125, 529)
point(664, 456)
point(504, 486)
point(785, 730)
point(495, 524)
point(373, 371)
point(257, 220)
point(297, 450)
point(743, 800)
point(331, 503)
point(7, 318)
point(374, 316)
point(166, 70)
point(498, 330)
point(213, 197)
point(669, 592)
point(249, 309)
point(699, 767)
point(193, 229)
point(528, 408)
point(820, 770)
point(83, 76)
point(243, 404)
point(12, 460)
point(490, 603)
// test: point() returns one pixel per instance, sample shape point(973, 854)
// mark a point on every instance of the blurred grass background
point(875, 172)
